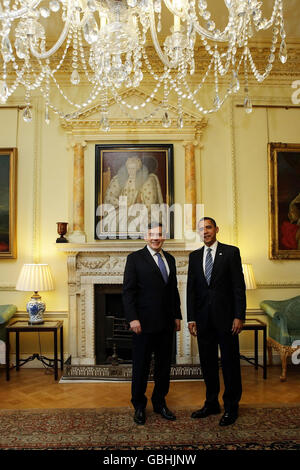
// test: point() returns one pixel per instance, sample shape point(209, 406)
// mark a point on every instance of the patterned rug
point(270, 428)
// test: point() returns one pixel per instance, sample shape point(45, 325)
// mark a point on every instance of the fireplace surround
point(96, 264)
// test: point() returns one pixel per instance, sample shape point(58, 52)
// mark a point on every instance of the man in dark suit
point(152, 307)
point(216, 305)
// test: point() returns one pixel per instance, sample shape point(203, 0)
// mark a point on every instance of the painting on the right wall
point(284, 200)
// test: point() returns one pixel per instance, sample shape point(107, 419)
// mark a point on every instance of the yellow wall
point(232, 172)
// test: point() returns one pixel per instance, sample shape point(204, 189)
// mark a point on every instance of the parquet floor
point(36, 388)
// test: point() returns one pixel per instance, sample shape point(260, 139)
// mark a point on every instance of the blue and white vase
point(35, 309)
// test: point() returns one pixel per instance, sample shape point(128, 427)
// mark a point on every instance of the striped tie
point(208, 265)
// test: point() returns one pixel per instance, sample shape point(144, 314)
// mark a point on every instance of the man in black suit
point(152, 307)
point(216, 305)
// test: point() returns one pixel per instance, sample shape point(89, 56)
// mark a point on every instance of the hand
point(177, 324)
point(192, 328)
point(237, 326)
point(135, 326)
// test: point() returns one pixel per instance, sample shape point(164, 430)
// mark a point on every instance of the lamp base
point(35, 309)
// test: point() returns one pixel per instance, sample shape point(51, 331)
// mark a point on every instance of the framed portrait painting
point(8, 175)
point(284, 200)
point(133, 186)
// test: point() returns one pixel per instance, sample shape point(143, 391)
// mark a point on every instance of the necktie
point(162, 267)
point(208, 265)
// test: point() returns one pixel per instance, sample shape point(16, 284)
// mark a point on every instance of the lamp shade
point(35, 277)
point(249, 276)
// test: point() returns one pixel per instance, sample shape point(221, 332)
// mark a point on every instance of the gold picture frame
point(284, 200)
point(8, 202)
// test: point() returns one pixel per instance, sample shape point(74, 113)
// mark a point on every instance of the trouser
point(208, 342)
point(144, 345)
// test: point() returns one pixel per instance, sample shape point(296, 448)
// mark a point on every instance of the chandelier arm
point(61, 39)
point(203, 32)
point(223, 36)
point(173, 10)
point(83, 19)
point(198, 28)
point(12, 15)
point(275, 10)
point(50, 52)
point(158, 49)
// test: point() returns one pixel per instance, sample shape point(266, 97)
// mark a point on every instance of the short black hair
point(154, 225)
point(208, 218)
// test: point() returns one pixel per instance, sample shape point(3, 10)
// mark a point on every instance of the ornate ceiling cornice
point(281, 73)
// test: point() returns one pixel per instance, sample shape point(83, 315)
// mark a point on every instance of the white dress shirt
point(153, 253)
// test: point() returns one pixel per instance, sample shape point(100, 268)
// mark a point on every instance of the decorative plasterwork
point(87, 123)
point(280, 72)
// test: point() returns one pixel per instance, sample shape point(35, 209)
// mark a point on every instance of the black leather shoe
point(228, 418)
point(165, 413)
point(139, 416)
point(206, 411)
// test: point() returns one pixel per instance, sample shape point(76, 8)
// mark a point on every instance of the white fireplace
point(103, 262)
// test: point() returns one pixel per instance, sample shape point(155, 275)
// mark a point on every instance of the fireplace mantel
point(122, 246)
point(103, 262)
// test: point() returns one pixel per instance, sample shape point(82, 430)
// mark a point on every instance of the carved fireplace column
point(78, 235)
point(190, 187)
point(191, 213)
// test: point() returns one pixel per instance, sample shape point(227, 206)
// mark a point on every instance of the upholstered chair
point(6, 313)
point(284, 329)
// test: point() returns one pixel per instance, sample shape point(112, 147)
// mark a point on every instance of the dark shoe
point(206, 411)
point(228, 418)
point(165, 413)
point(139, 416)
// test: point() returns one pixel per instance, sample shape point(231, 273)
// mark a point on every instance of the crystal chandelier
point(103, 46)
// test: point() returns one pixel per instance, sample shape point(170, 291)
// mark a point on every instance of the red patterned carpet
point(268, 428)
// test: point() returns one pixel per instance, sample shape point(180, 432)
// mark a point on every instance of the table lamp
point(35, 277)
point(249, 276)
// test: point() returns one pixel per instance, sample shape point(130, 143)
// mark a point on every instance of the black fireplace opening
point(113, 339)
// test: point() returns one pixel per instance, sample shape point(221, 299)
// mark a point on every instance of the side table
point(23, 327)
point(257, 325)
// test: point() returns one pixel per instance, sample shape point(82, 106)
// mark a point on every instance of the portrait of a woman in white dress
point(134, 186)
point(138, 188)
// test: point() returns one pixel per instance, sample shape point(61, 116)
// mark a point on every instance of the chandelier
point(103, 45)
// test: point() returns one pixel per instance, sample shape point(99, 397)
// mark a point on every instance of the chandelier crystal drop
point(104, 46)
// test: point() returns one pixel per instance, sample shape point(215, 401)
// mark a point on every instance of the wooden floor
point(36, 388)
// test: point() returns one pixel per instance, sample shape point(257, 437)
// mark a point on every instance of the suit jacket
point(146, 296)
point(224, 298)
